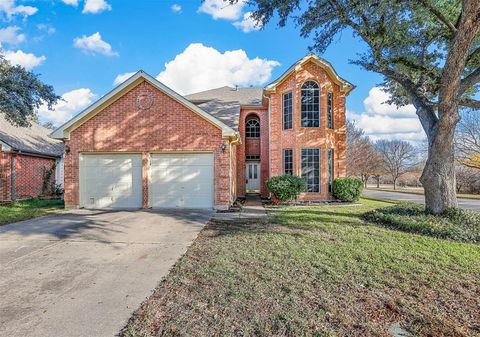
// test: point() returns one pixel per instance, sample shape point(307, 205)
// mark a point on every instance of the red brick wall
point(28, 175)
point(253, 147)
point(299, 137)
point(166, 126)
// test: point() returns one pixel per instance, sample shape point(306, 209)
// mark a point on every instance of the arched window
point(310, 105)
point(252, 128)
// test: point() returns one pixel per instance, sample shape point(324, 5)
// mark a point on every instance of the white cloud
point(96, 6)
point(10, 9)
point(122, 78)
point(46, 28)
point(71, 2)
point(375, 104)
point(176, 8)
point(94, 44)
point(72, 103)
point(220, 9)
point(248, 23)
point(11, 35)
point(200, 68)
point(26, 60)
point(386, 121)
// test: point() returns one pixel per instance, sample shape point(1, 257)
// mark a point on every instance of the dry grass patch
point(315, 271)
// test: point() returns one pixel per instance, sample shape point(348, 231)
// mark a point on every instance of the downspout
point(12, 176)
point(269, 137)
point(233, 142)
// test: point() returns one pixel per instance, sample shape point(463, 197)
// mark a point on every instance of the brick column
point(145, 170)
point(5, 182)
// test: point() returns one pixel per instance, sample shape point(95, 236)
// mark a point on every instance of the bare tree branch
point(470, 103)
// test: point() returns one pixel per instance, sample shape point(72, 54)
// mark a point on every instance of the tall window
point(310, 105)
point(252, 128)
point(311, 169)
point(330, 170)
point(330, 110)
point(288, 161)
point(287, 110)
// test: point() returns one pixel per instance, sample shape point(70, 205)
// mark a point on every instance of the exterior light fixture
point(223, 147)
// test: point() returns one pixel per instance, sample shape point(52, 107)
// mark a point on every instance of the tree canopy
point(22, 93)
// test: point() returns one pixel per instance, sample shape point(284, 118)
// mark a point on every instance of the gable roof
point(244, 96)
point(63, 132)
point(32, 140)
point(345, 86)
point(224, 103)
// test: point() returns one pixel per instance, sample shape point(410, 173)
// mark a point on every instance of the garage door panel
point(199, 200)
point(181, 180)
point(111, 181)
point(166, 161)
point(200, 160)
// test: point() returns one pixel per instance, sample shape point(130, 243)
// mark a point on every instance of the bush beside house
point(285, 188)
point(347, 189)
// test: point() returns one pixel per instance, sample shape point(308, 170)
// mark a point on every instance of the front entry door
point(253, 177)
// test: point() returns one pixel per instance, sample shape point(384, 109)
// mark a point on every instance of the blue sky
point(81, 46)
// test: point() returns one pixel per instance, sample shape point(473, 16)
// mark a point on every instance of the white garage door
point(111, 181)
point(181, 180)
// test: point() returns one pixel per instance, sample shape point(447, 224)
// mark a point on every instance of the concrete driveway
point(84, 273)
point(470, 204)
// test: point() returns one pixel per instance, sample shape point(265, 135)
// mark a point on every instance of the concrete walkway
point(253, 208)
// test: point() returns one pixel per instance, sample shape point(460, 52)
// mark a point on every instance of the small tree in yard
point(286, 187)
point(468, 179)
point(467, 140)
point(428, 52)
point(397, 158)
point(362, 158)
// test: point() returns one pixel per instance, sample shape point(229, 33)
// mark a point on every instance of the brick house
point(25, 154)
point(144, 145)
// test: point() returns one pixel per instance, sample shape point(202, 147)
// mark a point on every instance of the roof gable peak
point(345, 86)
point(63, 132)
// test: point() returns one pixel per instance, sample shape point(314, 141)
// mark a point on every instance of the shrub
point(347, 189)
point(455, 224)
point(286, 187)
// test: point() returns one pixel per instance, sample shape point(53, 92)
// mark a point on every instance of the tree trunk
point(394, 184)
point(378, 182)
point(438, 176)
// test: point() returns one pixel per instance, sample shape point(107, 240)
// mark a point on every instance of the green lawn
point(315, 271)
point(23, 210)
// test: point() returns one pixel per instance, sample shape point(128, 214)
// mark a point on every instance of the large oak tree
point(428, 52)
point(22, 93)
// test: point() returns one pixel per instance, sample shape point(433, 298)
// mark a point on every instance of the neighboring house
point(25, 154)
point(144, 145)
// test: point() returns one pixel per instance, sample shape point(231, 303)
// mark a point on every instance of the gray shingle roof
point(224, 103)
point(33, 140)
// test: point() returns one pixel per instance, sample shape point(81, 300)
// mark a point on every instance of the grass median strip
point(315, 271)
